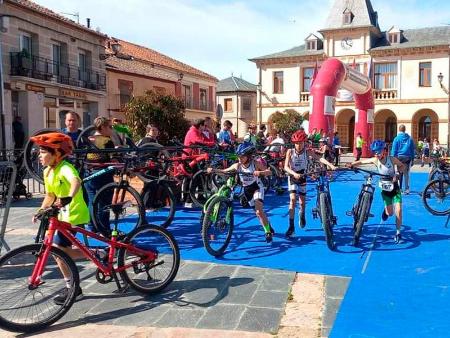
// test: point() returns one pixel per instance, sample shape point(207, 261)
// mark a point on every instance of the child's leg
point(262, 215)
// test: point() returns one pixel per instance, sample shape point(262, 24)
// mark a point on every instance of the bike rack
point(8, 173)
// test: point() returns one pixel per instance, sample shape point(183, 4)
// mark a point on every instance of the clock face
point(347, 43)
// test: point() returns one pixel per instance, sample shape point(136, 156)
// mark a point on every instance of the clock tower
point(351, 28)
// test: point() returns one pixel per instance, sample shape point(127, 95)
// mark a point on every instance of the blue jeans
point(92, 187)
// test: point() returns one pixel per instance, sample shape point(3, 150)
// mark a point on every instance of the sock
point(291, 222)
point(398, 232)
point(68, 282)
point(266, 228)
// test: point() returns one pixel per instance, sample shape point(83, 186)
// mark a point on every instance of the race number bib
point(386, 185)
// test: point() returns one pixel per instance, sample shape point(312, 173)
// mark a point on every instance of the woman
point(425, 152)
point(390, 190)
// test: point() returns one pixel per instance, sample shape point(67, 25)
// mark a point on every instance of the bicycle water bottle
point(99, 173)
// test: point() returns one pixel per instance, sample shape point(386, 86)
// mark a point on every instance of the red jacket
point(195, 137)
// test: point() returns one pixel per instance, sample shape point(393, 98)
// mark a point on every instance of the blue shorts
point(62, 240)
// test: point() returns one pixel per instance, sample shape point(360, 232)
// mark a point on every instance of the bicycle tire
point(144, 156)
point(326, 220)
point(200, 188)
point(211, 229)
point(362, 216)
point(83, 141)
point(165, 198)
point(14, 282)
point(431, 190)
point(144, 237)
point(31, 156)
point(134, 215)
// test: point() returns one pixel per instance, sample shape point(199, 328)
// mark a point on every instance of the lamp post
point(259, 116)
point(446, 91)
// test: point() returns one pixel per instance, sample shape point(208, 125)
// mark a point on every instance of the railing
point(384, 94)
point(203, 105)
point(40, 68)
point(187, 102)
point(304, 96)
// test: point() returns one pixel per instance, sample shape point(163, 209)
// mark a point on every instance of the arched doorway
point(425, 123)
point(345, 126)
point(385, 125)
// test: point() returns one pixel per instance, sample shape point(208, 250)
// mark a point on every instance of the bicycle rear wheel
point(117, 203)
point(326, 219)
point(436, 197)
point(201, 188)
point(159, 203)
point(150, 277)
point(218, 224)
point(363, 212)
point(24, 308)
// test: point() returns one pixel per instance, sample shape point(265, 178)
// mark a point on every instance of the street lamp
point(446, 91)
point(259, 95)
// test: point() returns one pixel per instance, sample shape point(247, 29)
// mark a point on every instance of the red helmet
point(299, 136)
point(58, 141)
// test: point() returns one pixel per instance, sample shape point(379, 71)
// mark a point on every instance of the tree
point(164, 111)
point(286, 122)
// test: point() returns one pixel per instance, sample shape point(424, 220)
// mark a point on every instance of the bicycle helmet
point(377, 146)
point(299, 136)
point(58, 141)
point(245, 149)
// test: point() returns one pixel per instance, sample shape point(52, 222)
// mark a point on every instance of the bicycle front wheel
point(116, 203)
point(218, 224)
point(24, 308)
point(325, 216)
point(363, 212)
point(201, 188)
point(435, 197)
point(149, 276)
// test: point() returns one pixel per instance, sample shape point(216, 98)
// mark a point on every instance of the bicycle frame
point(323, 186)
point(66, 229)
point(367, 187)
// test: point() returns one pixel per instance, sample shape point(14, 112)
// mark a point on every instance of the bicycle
point(435, 196)
point(361, 208)
point(148, 260)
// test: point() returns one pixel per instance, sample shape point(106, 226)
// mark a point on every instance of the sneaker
point(290, 231)
point(422, 165)
point(384, 216)
point(406, 191)
point(302, 220)
point(268, 237)
point(61, 298)
point(188, 205)
point(429, 164)
point(397, 238)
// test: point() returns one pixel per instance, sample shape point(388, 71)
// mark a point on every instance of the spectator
point(261, 137)
point(403, 149)
point(312, 135)
point(207, 130)
point(72, 121)
point(120, 132)
point(436, 148)
point(217, 130)
point(151, 136)
point(276, 144)
point(359, 142)
point(425, 152)
point(18, 133)
point(250, 136)
point(225, 135)
point(336, 148)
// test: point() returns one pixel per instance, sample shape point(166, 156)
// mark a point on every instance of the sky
point(219, 36)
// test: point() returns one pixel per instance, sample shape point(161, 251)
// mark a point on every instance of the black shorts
point(62, 240)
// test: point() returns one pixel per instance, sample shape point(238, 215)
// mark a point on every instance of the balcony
point(44, 69)
point(304, 96)
point(385, 94)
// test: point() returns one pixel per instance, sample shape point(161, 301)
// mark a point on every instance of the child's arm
point(261, 170)
point(287, 166)
point(366, 161)
point(233, 167)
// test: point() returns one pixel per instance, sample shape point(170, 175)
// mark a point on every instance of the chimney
point(88, 22)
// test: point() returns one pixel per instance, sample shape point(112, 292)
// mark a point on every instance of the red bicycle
point(31, 276)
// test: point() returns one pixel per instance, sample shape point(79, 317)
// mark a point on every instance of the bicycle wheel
point(24, 308)
point(363, 212)
point(149, 277)
point(83, 141)
point(159, 203)
point(31, 156)
point(217, 227)
point(201, 188)
point(326, 220)
point(435, 197)
point(117, 203)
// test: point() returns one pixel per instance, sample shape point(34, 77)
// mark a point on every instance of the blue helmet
point(378, 146)
point(245, 149)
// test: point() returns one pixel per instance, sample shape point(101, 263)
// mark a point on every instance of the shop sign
point(72, 94)
point(33, 88)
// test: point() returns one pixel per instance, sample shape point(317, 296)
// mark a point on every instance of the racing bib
point(386, 185)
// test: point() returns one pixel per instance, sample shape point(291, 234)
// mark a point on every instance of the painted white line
point(366, 263)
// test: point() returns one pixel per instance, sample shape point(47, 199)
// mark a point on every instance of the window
point(385, 76)
point(25, 43)
point(228, 103)
point(425, 74)
point(187, 96)
point(82, 66)
point(247, 104)
point(394, 37)
point(278, 82)
point(203, 100)
point(311, 45)
point(347, 19)
point(125, 90)
point(425, 128)
point(307, 77)
point(56, 58)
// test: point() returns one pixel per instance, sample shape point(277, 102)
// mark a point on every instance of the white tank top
point(247, 179)
point(299, 161)
point(387, 168)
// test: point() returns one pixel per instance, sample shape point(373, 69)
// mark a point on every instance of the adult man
point(225, 137)
point(403, 148)
point(250, 136)
point(72, 129)
point(359, 142)
point(18, 133)
point(261, 136)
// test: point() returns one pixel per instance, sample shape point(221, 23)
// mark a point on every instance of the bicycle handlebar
point(370, 172)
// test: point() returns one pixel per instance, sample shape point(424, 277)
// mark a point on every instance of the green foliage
point(286, 122)
point(164, 111)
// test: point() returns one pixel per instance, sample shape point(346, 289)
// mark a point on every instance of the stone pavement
point(205, 299)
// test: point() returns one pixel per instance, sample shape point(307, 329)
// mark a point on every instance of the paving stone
point(239, 291)
point(220, 271)
point(144, 313)
point(189, 268)
point(180, 318)
point(222, 316)
point(278, 281)
point(336, 287)
point(269, 299)
point(260, 319)
point(331, 308)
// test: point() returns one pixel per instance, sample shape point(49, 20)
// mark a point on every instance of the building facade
point(236, 98)
point(409, 70)
point(50, 65)
point(132, 70)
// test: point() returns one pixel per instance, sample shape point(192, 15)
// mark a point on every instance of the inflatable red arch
point(333, 75)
